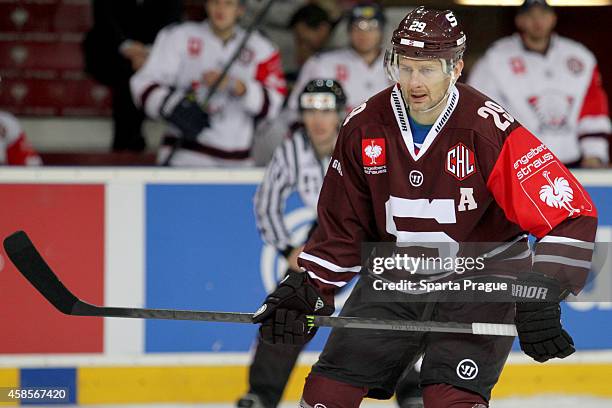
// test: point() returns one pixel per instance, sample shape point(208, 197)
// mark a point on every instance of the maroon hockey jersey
point(479, 177)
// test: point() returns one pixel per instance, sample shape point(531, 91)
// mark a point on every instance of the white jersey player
point(359, 67)
point(551, 84)
point(14, 146)
point(185, 62)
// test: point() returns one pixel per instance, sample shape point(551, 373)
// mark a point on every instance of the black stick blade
point(33, 267)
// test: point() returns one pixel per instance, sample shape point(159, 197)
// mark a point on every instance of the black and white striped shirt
point(294, 167)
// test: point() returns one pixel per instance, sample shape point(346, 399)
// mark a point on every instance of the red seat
point(45, 16)
point(45, 53)
point(55, 97)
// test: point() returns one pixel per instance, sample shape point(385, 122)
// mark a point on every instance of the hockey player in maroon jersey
point(431, 160)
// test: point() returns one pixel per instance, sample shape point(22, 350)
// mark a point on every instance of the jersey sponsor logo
point(575, 65)
point(553, 109)
point(416, 178)
point(374, 156)
point(529, 165)
point(336, 165)
point(194, 46)
point(550, 189)
point(517, 65)
point(467, 369)
point(558, 193)
point(460, 162)
point(342, 73)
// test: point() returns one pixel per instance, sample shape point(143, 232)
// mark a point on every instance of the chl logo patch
point(467, 369)
point(460, 162)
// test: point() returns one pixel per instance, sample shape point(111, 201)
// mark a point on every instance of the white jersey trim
point(562, 260)
point(328, 265)
point(594, 124)
point(567, 241)
point(338, 284)
point(399, 109)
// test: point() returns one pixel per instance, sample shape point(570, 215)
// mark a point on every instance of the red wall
point(66, 223)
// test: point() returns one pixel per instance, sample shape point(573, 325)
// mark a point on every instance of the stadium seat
point(47, 52)
point(61, 97)
point(45, 16)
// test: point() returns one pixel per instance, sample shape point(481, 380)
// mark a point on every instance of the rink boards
point(187, 239)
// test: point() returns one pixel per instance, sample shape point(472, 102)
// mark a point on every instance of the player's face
point(365, 36)
point(536, 23)
point(425, 82)
point(321, 125)
point(223, 14)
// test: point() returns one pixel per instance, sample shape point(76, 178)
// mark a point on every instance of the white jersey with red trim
point(181, 55)
point(358, 79)
point(14, 146)
point(479, 176)
point(557, 95)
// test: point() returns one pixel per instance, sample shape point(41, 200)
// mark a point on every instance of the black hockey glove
point(187, 116)
point(283, 314)
point(538, 323)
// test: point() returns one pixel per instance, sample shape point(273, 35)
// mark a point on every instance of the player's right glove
point(538, 324)
point(185, 113)
point(283, 313)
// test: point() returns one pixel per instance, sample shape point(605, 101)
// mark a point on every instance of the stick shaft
point(85, 309)
point(35, 269)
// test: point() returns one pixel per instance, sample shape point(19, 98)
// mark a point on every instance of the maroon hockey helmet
point(427, 33)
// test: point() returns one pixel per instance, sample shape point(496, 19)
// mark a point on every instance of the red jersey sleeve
point(537, 192)
point(594, 125)
point(20, 152)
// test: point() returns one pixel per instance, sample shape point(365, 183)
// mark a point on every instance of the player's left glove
point(538, 323)
point(184, 112)
point(283, 314)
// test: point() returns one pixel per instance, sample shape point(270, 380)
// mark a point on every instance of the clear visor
point(318, 100)
point(400, 68)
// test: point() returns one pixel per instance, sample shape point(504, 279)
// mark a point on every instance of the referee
point(298, 164)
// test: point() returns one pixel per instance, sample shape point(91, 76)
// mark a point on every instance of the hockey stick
point(213, 88)
point(33, 267)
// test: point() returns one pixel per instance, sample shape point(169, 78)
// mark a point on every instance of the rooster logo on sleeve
point(558, 193)
point(373, 151)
